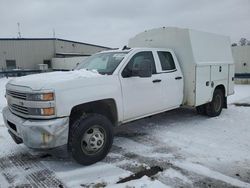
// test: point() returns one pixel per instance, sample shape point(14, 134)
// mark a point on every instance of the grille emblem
point(21, 103)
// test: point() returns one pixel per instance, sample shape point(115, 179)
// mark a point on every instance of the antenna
point(54, 33)
point(19, 32)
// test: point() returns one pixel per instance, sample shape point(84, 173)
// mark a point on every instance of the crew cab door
point(141, 95)
point(171, 77)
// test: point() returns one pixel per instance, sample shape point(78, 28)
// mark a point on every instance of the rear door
point(171, 78)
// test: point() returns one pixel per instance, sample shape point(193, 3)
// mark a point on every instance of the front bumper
point(38, 134)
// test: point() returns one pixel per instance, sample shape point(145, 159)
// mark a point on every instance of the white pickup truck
point(162, 70)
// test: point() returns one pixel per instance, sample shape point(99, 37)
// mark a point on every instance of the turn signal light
point(48, 111)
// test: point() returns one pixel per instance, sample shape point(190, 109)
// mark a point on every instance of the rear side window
point(167, 61)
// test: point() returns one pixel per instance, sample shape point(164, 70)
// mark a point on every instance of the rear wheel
point(91, 139)
point(214, 108)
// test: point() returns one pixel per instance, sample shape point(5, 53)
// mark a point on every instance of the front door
point(141, 96)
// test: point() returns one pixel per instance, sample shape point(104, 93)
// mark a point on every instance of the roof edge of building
point(65, 40)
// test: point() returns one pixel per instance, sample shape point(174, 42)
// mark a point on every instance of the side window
point(136, 60)
point(167, 61)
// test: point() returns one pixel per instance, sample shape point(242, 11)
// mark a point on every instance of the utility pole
point(19, 31)
point(54, 41)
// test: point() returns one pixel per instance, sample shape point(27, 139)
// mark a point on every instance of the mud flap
point(15, 138)
point(225, 103)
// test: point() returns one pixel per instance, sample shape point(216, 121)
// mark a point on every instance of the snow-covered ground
point(191, 151)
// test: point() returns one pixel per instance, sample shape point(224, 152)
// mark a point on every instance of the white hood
point(49, 80)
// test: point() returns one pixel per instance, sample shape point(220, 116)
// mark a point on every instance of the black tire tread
point(201, 109)
point(76, 132)
point(210, 106)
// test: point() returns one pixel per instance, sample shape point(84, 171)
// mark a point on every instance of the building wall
point(27, 53)
point(241, 55)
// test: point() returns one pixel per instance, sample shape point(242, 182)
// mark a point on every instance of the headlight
point(40, 97)
point(42, 111)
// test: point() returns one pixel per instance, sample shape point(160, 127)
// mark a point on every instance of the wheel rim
point(93, 140)
point(217, 103)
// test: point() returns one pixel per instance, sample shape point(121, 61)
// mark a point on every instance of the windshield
point(103, 63)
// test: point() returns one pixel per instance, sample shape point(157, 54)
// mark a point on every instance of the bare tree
point(243, 42)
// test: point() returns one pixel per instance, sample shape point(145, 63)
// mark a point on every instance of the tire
point(201, 109)
point(91, 138)
point(214, 108)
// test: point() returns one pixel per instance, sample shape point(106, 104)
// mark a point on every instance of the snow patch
point(85, 73)
point(3, 102)
point(99, 173)
point(241, 93)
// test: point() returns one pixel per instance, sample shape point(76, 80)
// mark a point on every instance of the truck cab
point(118, 86)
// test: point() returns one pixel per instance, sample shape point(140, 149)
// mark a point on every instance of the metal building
point(241, 55)
point(28, 53)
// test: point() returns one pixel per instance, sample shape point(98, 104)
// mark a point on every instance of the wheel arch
point(105, 107)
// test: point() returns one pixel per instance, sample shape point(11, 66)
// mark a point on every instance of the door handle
point(156, 81)
point(178, 77)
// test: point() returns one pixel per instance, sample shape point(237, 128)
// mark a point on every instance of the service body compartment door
point(203, 85)
point(219, 76)
point(219, 72)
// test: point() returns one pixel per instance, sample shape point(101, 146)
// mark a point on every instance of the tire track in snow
point(145, 155)
point(202, 170)
point(26, 170)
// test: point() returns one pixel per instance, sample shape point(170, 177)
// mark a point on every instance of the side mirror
point(145, 69)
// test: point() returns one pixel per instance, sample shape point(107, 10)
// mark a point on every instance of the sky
point(112, 22)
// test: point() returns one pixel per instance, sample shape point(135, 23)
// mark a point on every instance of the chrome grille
point(20, 109)
point(14, 103)
point(17, 95)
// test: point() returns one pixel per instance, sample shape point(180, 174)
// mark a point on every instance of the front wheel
point(91, 139)
point(214, 108)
